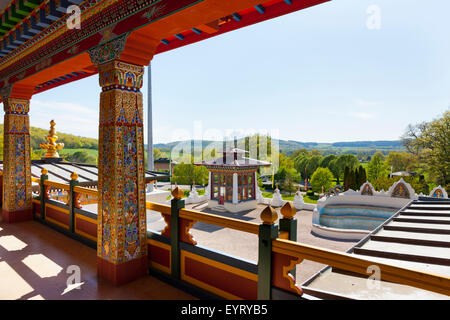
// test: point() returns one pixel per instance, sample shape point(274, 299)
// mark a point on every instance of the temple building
point(233, 180)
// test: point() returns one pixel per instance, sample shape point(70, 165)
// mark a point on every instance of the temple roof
point(234, 158)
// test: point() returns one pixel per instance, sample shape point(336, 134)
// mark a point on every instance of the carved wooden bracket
point(281, 278)
point(184, 229)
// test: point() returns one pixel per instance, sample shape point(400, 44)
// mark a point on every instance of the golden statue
point(52, 146)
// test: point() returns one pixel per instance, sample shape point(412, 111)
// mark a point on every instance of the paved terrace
point(34, 258)
point(33, 265)
point(245, 245)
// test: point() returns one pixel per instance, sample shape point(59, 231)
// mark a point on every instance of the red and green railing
point(175, 255)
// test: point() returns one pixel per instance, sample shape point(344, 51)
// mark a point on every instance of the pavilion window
point(216, 192)
point(229, 194)
point(250, 192)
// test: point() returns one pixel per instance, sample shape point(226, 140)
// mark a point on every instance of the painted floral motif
point(401, 191)
point(367, 190)
point(438, 194)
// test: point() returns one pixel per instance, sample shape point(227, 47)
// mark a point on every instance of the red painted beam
point(273, 9)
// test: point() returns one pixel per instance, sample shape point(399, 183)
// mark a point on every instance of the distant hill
point(289, 146)
point(70, 141)
point(286, 146)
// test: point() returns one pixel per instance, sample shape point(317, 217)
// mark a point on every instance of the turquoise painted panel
point(360, 218)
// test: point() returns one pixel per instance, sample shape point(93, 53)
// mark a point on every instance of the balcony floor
point(34, 260)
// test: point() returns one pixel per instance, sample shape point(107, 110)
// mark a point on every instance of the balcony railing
point(174, 253)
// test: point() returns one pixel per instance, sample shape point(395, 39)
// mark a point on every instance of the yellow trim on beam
point(77, 215)
point(225, 222)
point(245, 274)
point(158, 207)
point(56, 185)
point(157, 265)
point(92, 192)
point(82, 233)
point(62, 225)
point(62, 210)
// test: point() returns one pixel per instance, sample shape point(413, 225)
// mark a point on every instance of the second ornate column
point(122, 224)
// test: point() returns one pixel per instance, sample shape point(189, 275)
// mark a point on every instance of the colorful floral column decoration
point(17, 197)
point(122, 224)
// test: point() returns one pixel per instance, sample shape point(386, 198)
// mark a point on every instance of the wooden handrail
point(348, 262)
point(56, 185)
point(33, 179)
point(163, 208)
point(231, 223)
point(92, 192)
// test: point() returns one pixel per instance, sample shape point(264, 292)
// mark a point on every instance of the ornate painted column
point(17, 197)
point(122, 223)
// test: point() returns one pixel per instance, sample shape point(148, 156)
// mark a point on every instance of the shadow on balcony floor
point(34, 264)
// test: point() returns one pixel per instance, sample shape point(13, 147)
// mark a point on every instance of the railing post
point(268, 231)
point(177, 203)
point(43, 195)
point(289, 224)
point(72, 184)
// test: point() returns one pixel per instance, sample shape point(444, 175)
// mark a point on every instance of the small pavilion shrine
point(233, 181)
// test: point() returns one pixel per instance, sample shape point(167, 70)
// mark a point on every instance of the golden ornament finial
point(52, 146)
point(288, 211)
point(177, 193)
point(44, 171)
point(74, 176)
point(269, 215)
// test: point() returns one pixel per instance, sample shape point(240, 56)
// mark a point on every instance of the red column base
point(119, 274)
point(17, 216)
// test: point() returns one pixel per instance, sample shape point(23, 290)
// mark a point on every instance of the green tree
point(325, 163)
point(341, 162)
point(346, 178)
point(313, 164)
point(188, 174)
point(430, 142)
point(399, 161)
point(322, 178)
point(376, 167)
point(362, 176)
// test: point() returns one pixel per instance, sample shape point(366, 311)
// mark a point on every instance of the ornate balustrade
point(175, 255)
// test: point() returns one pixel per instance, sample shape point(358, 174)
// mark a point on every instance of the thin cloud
point(363, 115)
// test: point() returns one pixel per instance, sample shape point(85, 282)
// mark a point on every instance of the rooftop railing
point(174, 253)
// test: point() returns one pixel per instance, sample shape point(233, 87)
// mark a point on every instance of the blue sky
point(319, 74)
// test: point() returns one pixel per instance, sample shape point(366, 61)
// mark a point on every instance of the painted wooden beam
point(260, 8)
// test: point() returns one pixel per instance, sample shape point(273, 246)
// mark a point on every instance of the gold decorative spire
point(269, 215)
point(288, 211)
point(52, 147)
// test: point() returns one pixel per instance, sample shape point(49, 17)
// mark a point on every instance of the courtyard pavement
point(245, 245)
